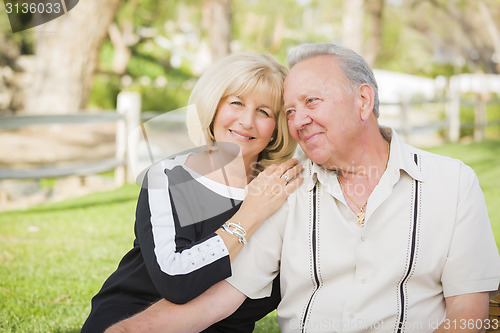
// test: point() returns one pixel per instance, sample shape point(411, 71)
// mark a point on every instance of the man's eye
point(311, 100)
point(289, 113)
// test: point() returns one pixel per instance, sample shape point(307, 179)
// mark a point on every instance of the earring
point(272, 138)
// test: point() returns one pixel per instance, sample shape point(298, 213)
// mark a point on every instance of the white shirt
point(427, 236)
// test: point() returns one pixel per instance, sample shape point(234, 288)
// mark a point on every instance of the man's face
point(321, 110)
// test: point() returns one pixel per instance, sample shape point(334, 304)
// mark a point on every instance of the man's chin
point(316, 156)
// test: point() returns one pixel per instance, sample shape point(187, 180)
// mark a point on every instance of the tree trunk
point(279, 31)
point(375, 11)
point(66, 56)
point(492, 29)
point(218, 20)
point(122, 40)
point(352, 25)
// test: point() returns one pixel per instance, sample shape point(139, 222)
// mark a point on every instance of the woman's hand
point(265, 195)
point(269, 190)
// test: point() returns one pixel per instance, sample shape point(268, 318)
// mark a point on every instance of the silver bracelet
point(235, 229)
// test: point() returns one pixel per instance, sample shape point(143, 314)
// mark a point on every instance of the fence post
point(404, 105)
point(480, 117)
point(128, 105)
point(453, 109)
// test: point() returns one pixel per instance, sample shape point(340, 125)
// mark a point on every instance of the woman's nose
point(247, 118)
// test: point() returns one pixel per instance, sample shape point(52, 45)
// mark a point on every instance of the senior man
point(380, 235)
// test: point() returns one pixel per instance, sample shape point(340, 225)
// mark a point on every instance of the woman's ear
point(366, 97)
point(274, 136)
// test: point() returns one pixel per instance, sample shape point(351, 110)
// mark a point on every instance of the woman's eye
point(264, 112)
point(237, 103)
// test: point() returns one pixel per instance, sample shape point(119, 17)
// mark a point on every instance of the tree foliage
point(160, 47)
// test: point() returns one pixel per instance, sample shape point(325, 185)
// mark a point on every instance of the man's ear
point(366, 97)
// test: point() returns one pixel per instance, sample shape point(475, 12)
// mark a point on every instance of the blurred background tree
point(159, 48)
point(66, 57)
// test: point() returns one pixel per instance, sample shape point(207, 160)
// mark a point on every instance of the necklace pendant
point(361, 218)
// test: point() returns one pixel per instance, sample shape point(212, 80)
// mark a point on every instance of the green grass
point(48, 276)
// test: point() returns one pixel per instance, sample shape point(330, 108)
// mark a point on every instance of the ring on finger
point(286, 177)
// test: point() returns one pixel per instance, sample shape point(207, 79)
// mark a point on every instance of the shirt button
point(363, 280)
point(350, 316)
point(363, 238)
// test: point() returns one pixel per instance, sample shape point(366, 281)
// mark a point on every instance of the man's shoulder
point(426, 159)
point(440, 164)
point(434, 158)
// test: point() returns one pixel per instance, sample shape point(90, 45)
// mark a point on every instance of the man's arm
point(218, 302)
point(466, 313)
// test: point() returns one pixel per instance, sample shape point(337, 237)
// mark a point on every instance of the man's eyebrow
point(286, 106)
point(303, 96)
point(309, 93)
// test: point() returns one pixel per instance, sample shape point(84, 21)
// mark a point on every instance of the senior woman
point(197, 210)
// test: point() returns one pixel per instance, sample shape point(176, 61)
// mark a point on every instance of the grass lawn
point(54, 258)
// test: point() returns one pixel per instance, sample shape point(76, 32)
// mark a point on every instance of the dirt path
point(54, 145)
point(37, 146)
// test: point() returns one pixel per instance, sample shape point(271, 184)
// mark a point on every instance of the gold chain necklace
point(361, 214)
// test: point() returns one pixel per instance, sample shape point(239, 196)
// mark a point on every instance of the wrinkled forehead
point(301, 78)
point(321, 73)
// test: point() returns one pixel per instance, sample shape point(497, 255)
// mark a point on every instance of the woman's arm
point(215, 304)
point(182, 265)
point(179, 262)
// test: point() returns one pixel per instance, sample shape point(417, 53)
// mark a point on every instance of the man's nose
point(301, 119)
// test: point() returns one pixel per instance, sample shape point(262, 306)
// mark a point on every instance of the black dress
point(176, 255)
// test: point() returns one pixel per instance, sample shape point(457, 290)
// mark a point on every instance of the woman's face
point(247, 121)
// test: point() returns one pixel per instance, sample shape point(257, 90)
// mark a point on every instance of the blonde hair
point(237, 75)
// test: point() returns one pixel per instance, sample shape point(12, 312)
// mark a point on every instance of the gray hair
point(352, 64)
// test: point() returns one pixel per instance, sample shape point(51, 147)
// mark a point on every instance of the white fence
point(126, 118)
point(402, 98)
point(400, 94)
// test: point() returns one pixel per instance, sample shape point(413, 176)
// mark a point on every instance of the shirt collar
point(309, 173)
point(314, 173)
point(401, 158)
